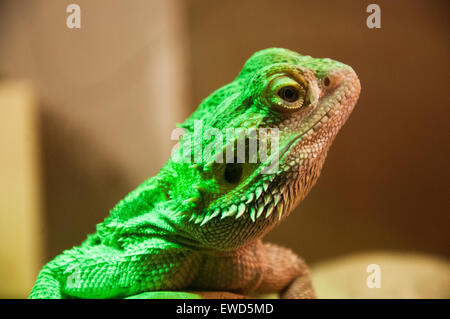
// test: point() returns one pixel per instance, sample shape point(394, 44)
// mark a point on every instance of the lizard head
point(255, 147)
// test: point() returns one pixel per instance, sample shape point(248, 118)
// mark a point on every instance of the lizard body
point(198, 224)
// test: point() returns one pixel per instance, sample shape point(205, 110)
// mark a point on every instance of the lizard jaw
point(309, 148)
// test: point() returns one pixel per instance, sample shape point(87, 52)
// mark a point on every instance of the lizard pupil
point(233, 172)
point(289, 93)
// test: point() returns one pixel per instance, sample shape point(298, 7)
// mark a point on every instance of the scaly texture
point(198, 224)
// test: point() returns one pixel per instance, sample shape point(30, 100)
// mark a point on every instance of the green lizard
point(198, 224)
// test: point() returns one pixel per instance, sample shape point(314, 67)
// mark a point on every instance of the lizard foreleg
point(101, 271)
point(286, 273)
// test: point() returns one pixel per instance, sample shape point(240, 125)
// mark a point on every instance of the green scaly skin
point(198, 227)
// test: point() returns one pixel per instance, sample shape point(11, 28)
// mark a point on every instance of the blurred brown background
point(108, 95)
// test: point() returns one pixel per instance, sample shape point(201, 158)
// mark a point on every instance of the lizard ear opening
point(233, 172)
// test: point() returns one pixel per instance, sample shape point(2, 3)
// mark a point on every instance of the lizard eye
point(233, 172)
point(288, 94)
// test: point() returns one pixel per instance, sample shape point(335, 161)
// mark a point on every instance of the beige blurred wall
point(119, 79)
point(21, 225)
point(109, 96)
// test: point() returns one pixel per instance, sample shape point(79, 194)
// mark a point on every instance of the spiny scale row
point(261, 201)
